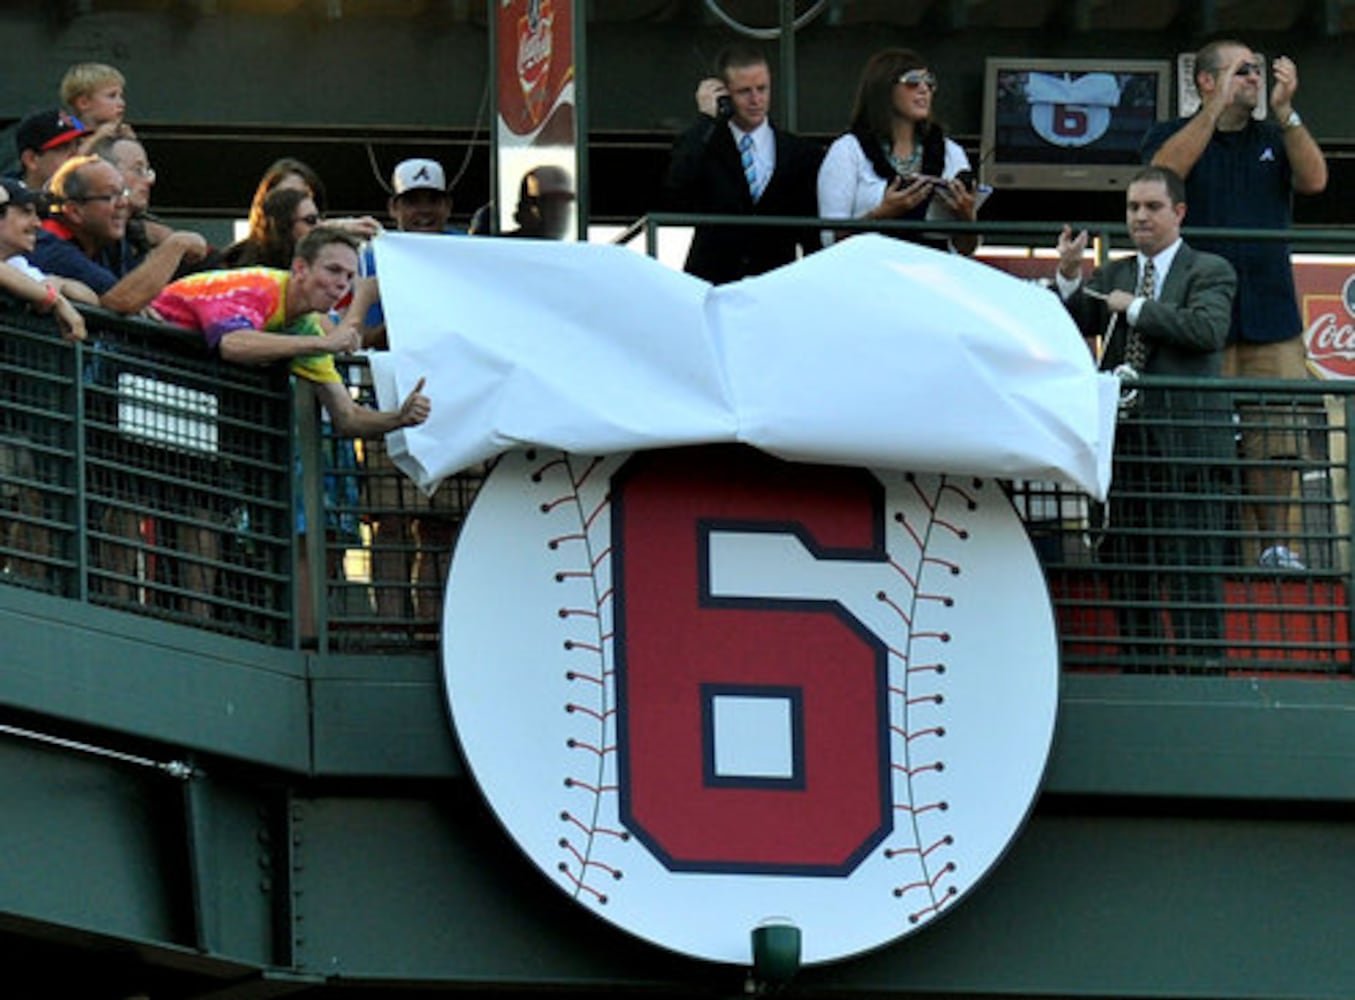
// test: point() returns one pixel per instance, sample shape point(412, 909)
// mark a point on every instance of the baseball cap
point(413, 175)
point(546, 181)
point(16, 192)
point(44, 130)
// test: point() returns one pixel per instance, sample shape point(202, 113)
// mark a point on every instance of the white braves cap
point(411, 175)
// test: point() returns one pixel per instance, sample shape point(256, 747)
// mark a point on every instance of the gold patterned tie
point(1136, 347)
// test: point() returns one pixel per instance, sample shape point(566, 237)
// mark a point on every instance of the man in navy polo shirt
point(1243, 173)
point(86, 238)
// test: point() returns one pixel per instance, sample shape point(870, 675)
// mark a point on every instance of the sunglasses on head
point(917, 77)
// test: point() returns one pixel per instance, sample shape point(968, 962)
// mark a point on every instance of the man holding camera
point(733, 161)
point(1242, 172)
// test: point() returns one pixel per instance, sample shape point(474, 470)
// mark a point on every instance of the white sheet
point(875, 352)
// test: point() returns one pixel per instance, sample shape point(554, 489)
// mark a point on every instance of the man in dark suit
point(1165, 310)
point(734, 162)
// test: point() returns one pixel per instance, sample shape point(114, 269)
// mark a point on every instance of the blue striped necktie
point(749, 167)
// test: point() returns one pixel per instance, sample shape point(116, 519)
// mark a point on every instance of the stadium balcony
point(155, 673)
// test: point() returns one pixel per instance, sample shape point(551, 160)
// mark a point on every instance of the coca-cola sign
point(534, 52)
point(1327, 294)
point(1330, 339)
point(534, 65)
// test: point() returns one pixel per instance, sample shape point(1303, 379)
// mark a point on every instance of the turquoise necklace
point(904, 165)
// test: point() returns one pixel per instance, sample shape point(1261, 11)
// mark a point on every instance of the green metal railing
point(139, 473)
point(1129, 582)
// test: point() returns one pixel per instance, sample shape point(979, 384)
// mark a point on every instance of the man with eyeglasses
point(733, 161)
point(1243, 173)
point(138, 176)
point(145, 230)
point(86, 238)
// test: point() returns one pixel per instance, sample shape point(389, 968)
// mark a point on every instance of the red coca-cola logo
point(1330, 339)
point(534, 54)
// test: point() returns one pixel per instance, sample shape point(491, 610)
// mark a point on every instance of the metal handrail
point(354, 608)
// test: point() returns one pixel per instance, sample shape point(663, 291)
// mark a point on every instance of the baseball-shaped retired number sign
point(705, 688)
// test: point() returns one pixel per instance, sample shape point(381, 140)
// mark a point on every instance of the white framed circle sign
point(704, 688)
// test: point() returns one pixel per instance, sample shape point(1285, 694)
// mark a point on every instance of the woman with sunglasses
point(895, 161)
point(286, 215)
point(290, 172)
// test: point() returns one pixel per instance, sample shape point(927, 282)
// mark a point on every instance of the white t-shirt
point(20, 263)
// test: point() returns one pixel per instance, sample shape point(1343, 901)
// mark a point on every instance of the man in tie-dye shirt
point(259, 315)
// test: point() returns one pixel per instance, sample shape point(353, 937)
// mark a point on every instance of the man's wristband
point(46, 304)
point(1292, 121)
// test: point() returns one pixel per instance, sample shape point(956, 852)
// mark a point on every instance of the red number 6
point(679, 648)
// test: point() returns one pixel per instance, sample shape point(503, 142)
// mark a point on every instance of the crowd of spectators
point(300, 287)
point(1233, 164)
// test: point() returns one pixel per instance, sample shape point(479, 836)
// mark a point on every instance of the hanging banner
point(536, 133)
point(874, 352)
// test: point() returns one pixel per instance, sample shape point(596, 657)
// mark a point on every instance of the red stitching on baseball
point(601, 897)
point(921, 851)
point(910, 771)
point(600, 716)
point(939, 636)
point(894, 606)
point(930, 731)
point(574, 744)
point(599, 830)
point(945, 898)
point(909, 732)
point(922, 668)
point(585, 863)
point(902, 571)
point(568, 612)
point(926, 883)
point(595, 789)
point(594, 556)
point(587, 472)
point(919, 810)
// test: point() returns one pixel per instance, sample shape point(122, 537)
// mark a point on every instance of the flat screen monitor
point(1069, 123)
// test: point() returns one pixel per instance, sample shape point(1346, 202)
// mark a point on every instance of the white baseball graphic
point(692, 731)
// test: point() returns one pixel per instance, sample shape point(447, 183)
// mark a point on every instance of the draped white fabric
point(875, 352)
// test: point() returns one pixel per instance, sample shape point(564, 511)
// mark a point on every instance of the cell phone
point(724, 107)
